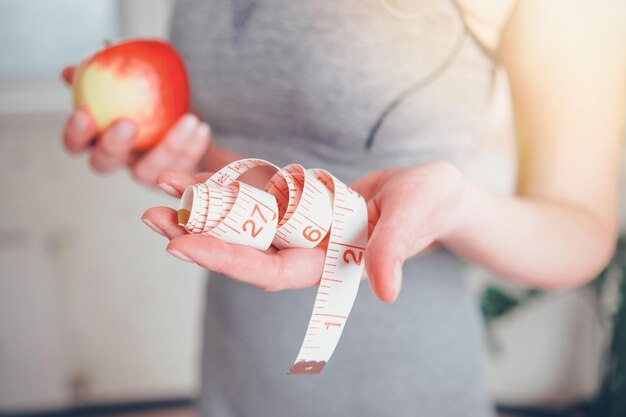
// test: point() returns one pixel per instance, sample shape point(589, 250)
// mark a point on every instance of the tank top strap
point(486, 20)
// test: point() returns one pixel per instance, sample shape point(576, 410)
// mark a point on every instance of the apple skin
point(144, 80)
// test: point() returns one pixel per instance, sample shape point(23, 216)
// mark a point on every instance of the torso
point(309, 81)
point(315, 83)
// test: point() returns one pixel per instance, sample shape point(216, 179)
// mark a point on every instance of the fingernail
point(397, 276)
point(203, 131)
point(153, 226)
point(179, 255)
point(80, 122)
point(169, 189)
point(188, 123)
point(123, 131)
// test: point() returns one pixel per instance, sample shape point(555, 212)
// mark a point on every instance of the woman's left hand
point(408, 209)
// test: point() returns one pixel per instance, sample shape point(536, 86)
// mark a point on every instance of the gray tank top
point(350, 86)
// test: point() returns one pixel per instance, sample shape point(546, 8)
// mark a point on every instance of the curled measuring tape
point(296, 208)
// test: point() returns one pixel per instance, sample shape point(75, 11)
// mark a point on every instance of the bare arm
point(567, 70)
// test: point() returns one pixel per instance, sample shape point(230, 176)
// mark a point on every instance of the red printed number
point(313, 235)
point(239, 166)
point(253, 230)
point(222, 179)
point(258, 210)
point(356, 259)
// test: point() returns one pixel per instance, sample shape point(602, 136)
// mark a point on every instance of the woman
point(387, 95)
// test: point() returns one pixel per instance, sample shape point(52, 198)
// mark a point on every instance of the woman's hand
point(409, 208)
point(270, 271)
point(182, 148)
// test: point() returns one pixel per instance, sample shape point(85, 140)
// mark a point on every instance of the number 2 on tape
point(296, 208)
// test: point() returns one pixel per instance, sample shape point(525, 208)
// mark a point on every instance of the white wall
point(90, 299)
point(91, 306)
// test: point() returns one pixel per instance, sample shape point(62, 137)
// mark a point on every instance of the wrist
point(464, 213)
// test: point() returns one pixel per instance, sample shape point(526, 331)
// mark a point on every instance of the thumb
point(393, 239)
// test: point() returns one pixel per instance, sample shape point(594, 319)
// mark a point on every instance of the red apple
point(143, 80)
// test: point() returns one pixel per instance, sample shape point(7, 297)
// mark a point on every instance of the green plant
point(610, 400)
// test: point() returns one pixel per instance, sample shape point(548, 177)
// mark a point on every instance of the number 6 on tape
point(297, 208)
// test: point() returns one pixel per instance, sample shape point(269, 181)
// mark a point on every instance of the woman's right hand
point(182, 148)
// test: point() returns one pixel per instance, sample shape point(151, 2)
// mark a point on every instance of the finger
point(389, 245)
point(180, 181)
point(113, 148)
point(134, 157)
point(195, 150)
point(369, 184)
point(68, 74)
point(79, 132)
point(164, 221)
point(202, 176)
point(164, 155)
point(174, 183)
point(288, 268)
point(372, 217)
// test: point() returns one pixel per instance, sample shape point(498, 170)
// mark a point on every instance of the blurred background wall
point(91, 307)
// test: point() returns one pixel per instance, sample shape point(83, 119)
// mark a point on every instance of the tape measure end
point(307, 368)
point(183, 217)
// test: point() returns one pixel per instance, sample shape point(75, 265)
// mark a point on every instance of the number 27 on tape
point(250, 222)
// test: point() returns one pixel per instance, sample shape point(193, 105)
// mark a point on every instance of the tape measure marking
point(296, 208)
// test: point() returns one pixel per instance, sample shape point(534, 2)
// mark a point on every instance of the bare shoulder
point(566, 66)
point(486, 19)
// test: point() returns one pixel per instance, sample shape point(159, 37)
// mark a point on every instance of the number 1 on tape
point(297, 208)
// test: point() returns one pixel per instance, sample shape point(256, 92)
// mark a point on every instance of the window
point(39, 37)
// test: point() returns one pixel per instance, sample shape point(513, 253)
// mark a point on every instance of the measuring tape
point(296, 208)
